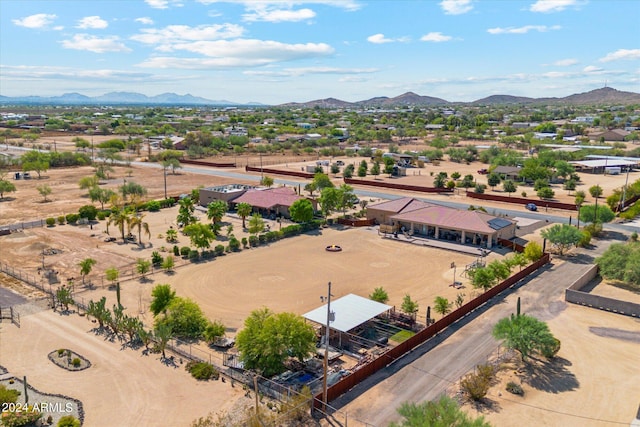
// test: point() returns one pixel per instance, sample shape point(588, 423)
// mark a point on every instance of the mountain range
point(605, 95)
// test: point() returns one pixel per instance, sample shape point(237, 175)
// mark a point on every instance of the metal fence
point(31, 280)
point(11, 314)
point(24, 225)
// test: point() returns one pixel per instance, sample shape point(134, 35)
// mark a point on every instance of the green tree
point(329, 200)
point(346, 197)
point(493, 179)
point(64, 297)
point(595, 191)
point(256, 224)
point(533, 251)
point(409, 306)
point(322, 181)
point(380, 295)
point(213, 331)
point(545, 193)
point(525, 334)
point(562, 236)
point(102, 195)
point(445, 412)
point(509, 186)
point(442, 305)
point(185, 212)
point(601, 214)
point(201, 235)
point(89, 212)
point(621, 261)
point(161, 297)
point(112, 274)
point(168, 263)
point(244, 210)
point(267, 181)
point(215, 212)
point(268, 339)
point(138, 222)
point(301, 211)
point(6, 187)
point(143, 266)
point(375, 170)
point(482, 278)
point(88, 182)
point(99, 311)
point(85, 267)
point(121, 218)
point(44, 191)
point(184, 317)
point(132, 189)
point(163, 334)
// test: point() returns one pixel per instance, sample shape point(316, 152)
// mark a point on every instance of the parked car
point(483, 171)
point(531, 206)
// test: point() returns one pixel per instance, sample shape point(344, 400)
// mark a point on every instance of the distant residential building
point(610, 135)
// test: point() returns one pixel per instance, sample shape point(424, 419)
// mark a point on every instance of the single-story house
point(610, 135)
point(423, 219)
point(507, 172)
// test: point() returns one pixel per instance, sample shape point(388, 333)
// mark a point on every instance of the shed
point(350, 311)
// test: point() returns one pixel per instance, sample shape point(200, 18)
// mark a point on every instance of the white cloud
point(238, 53)
point(435, 37)
point(591, 69)
point(278, 15)
point(523, 30)
point(64, 73)
point(548, 6)
point(93, 22)
point(380, 39)
point(621, 54)
point(456, 7)
point(297, 72)
point(180, 33)
point(350, 5)
point(565, 62)
point(95, 44)
point(40, 20)
point(144, 20)
point(163, 4)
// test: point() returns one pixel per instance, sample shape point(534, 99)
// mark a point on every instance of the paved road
point(9, 298)
point(432, 368)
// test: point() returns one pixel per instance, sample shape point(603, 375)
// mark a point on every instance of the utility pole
point(326, 349)
point(164, 169)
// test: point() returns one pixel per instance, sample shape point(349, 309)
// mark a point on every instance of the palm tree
point(137, 221)
point(85, 267)
point(121, 218)
point(244, 210)
point(163, 334)
point(215, 212)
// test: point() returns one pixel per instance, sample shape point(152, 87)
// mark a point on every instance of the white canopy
point(350, 311)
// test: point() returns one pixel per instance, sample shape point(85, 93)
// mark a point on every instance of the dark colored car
point(483, 171)
point(531, 207)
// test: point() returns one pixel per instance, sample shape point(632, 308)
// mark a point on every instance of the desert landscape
point(288, 275)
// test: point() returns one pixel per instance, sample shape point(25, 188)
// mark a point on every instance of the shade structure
point(350, 311)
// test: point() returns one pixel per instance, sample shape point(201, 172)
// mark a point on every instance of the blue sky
point(277, 51)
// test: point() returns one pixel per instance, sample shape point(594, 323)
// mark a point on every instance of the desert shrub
point(595, 228)
point(550, 351)
point(253, 240)
point(153, 206)
point(585, 240)
point(176, 250)
point(72, 218)
point(27, 417)
point(88, 211)
point(101, 215)
point(219, 250)
point(202, 371)
point(8, 395)
point(194, 255)
point(167, 203)
point(76, 362)
point(234, 244)
point(480, 188)
point(476, 385)
point(184, 251)
point(262, 239)
point(156, 258)
point(245, 242)
point(515, 388)
point(50, 222)
point(291, 230)
point(61, 352)
point(61, 220)
point(68, 421)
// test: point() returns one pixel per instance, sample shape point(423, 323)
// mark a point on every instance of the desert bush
point(50, 222)
point(88, 211)
point(219, 250)
point(184, 251)
point(68, 421)
point(253, 241)
point(202, 371)
point(61, 220)
point(585, 240)
point(176, 250)
point(476, 385)
point(72, 218)
point(595, 228)
point(153, 206)
point(101, 215)
point(515, 388)
point(234, 244)
point(245, 242)
point(194, 255)
point(156, 258)
point(76, 362)
point(550, 351)
point(61, 352)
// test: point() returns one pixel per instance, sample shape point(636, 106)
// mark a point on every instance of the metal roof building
point(350, 311)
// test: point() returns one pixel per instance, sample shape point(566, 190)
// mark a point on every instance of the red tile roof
point(268, 198)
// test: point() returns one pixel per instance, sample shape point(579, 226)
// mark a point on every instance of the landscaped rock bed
point(54, 405)
point(69, 360)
